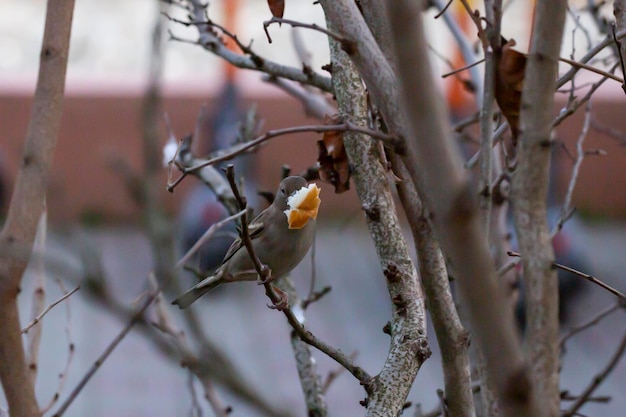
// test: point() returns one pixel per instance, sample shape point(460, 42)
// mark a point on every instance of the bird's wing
point(255, 228)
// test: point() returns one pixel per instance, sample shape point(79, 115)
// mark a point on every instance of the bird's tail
point(203, 287)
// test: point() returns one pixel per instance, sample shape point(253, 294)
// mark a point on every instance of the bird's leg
point(283, 300)
point(265, 276)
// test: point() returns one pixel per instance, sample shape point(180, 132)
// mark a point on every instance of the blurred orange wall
point(96, 127)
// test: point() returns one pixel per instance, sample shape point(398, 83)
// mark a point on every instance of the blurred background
point(93, 216)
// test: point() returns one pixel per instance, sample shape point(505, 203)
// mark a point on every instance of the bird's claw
point(283, 300)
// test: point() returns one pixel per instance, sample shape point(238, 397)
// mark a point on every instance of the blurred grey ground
point(137, 381)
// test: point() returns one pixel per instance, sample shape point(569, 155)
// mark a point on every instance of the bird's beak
point(303, 205)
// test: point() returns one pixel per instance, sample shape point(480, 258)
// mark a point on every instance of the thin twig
point(295, 24)
point(196, 410)
point(598, 379)
point(566, 396)
point(334, 373)
point(47, 309)
point(466, 47)
point(588, 56)
point(206, 236)
point(507, 267)
point(592, 69)
point(564, 114)
point(469, 121)
point(443, 9)
point(591, 322)
point(209, 39)
point(263, 270)
point(588, 277)
point(313, 277)
point(70, 355)
point(567, 209)
point(497, 137)
point(442, 403)
point(33, 339)
point(612, 133)
point(298, 327)
point(315, 105)
point(166, 325)
point(593, 279)
point(390, 140)
point(103, 357)
point(315, 296)
point(619, 53)
point(475, 16)
point(465, 68)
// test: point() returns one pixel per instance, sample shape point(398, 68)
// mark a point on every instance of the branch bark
point(388, 390)
point(453, 339)
point(619, 11)
point(210, 40)
point(434, 164)
point(26, 205)
point(529, 195)
point(433, 161)
point(305, 361)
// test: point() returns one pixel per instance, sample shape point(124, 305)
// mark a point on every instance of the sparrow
point(281, 234)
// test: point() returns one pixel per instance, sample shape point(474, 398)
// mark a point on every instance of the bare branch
point(41, 315)
point(334, 373)
point(433, 161)
point(206, 236)
point(592, 69)
point(310, 380)
point(314, 104)
point(70, 355)
point(263, 271)
point(33, 339)
point(589, 323)
point(464, 68)
point(196, 410)
point(346, 126)
point(619, 11)
point(584, 275)
point(608, 41)
point(27, 200)
point(452, 337)
point(210, 40)
point(149, 298)
point(295, 24)
point(408, 345)
point(184, 158)
point(465, 45)
point(575, 105)
point(598, 379)
point(567, 208)
point(529, 188)
point(166, 325)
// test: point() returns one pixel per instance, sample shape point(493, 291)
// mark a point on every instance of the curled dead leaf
point(332, 159)
point(509, 83)
point(277, 7)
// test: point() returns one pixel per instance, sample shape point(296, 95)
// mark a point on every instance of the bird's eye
point(282, 190)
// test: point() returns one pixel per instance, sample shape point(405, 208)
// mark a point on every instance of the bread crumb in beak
point(303, 205)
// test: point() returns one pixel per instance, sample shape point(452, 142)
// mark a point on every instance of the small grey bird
point(281, 235)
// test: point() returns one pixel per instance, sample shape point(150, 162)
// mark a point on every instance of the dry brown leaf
point(333, 161)
point(277, 7)
point(509, 84)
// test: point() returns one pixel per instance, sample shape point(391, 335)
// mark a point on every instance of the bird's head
point(298, 201)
